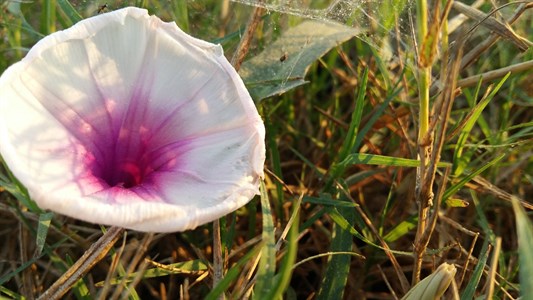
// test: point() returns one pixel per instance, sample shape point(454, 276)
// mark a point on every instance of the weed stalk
point(424, 148)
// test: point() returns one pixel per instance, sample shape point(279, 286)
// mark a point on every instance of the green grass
point(337, 216)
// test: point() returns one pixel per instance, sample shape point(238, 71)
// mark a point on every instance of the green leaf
point(275, 160)
point(282, 65)
point(460, 162)
point(326, 200)
point(338, 269)
point(381, 160)
point(42, 230)
point(341, 221)
point(181, 14)
point(455, 202)
point(349, 141)
point(48, 17)
point(267, 264)
point(10, 293)
point(471, 287)
point(401, 229)
point(14, 8)
point(72, 15)
point(525, 244)
point(453, 189)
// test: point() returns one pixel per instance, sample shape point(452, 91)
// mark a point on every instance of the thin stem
point(424, 149)
point(425, 72)
point(218, 262)
point(93, 255)
point(244, 44)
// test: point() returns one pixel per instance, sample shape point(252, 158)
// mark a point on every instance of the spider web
point(384, 22)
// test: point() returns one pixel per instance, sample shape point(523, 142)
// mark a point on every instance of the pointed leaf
point(267, 264)
point(525, 244)
point(282, 65)
point(42, 230)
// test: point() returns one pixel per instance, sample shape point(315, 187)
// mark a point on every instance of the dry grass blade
point(473, 54)
point(478, 50)
point(93, 255)
point(387, 282)
point(502, 29)
point(481, 184)
point(107, 286)
point(494, 267)
point(495, 74)
point(459, 19)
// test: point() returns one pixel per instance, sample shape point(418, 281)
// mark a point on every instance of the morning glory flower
point(126, 120)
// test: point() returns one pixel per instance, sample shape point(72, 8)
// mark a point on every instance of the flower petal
point(126, 120)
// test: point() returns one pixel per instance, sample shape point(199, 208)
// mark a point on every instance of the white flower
point(126, 120)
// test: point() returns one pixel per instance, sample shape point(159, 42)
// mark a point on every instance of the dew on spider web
point(384, 22)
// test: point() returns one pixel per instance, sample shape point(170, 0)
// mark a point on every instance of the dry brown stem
point(218, 260)
point(495, 74)
point(93, 255)
point(473, 54)
point(487, 20)
point(244, 44)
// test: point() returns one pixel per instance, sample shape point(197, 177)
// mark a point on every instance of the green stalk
point(424, 72)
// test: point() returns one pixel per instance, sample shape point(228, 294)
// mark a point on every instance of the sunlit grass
point(337, 216)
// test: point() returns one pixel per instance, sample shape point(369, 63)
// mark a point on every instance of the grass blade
point(48, 17)
point(11, 294)
point(68, 10)
point(351, 137)
point(327, 200)
point(525, 244)
point(283, 278)
point(42, 231)
point(459, 161)
point(267, 264)
point(454, 188)
point(401, 229)
point(334, 280)
point(471, 287)
point(381, 160)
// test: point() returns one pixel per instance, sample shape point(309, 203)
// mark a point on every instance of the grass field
point(392, 147)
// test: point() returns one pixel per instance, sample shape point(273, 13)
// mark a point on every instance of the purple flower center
point(123, 161)
point(127, 148)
